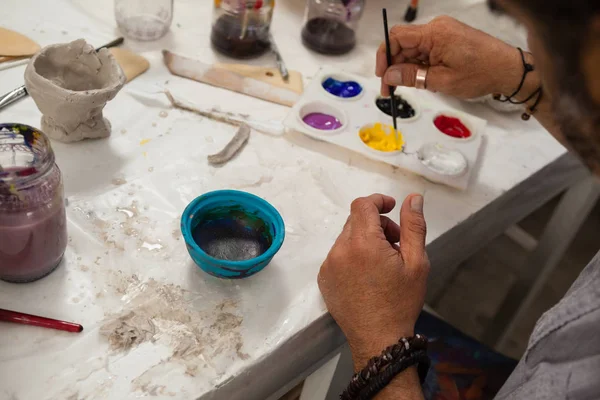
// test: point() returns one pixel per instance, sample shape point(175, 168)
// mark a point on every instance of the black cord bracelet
point(527, 114)
point(527, 68)
point(531, 96)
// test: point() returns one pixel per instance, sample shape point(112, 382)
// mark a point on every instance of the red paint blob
point(452, 126)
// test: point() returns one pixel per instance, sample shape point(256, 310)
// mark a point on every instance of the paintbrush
point(411, 11)
point(285, 75)
point(21, 92)
point(392, 89)
point(27, 319)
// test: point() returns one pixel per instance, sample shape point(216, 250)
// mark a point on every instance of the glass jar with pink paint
point(33, 225)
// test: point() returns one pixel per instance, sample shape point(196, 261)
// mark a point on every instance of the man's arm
point(374, 280)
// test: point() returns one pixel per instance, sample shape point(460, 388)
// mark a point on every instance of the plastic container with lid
point(33, 225)
point(330, 25)
point(241, 27)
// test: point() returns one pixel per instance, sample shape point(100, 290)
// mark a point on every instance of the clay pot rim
point(113, 64)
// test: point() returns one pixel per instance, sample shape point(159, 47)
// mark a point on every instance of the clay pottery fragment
point(70, 84)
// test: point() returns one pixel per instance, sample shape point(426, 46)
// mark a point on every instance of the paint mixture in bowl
point(381, 137)
point(452, 127)
point(232, 234)
point(343, 89)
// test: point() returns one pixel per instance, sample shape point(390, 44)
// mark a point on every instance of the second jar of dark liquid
point(330, 25)
point(241, 27)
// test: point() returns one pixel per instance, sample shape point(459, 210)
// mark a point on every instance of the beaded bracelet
point(393, 360)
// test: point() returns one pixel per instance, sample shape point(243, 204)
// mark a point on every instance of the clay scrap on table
point(13, 44)
point(233, 147)
point(70, 84)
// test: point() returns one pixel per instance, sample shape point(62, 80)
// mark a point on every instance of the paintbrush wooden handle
point(28, 319)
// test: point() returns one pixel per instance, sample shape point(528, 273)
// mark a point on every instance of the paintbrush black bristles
point(388, 53)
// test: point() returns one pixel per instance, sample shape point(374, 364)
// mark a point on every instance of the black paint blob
point(234, 237)
point(328, 36)
point(405, 109)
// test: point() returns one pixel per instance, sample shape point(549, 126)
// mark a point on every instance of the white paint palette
point(427, 151)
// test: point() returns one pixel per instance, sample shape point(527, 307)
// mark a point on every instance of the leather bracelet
point(380, 381)
point(397, 354)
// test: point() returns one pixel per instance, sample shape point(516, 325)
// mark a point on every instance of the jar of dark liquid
point(33, 225)
point(330, 25)
point(241, 27)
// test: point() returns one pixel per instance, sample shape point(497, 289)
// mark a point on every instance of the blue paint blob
point(344, 89)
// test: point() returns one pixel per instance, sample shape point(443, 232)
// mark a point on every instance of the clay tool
point(411, 11)
point(280, 64)
point(14, 44)
point(11, 62)
point(259, 82)
point(27, 319)
point(233, 147)
point(132, 64)
point(269, 127)
point(21, 92)
point(388, 54)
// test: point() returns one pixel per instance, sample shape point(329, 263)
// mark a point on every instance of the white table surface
point(209, 332)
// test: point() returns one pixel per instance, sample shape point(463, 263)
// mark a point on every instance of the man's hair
point(564, 27)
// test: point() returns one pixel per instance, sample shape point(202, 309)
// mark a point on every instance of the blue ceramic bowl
point(224, 212)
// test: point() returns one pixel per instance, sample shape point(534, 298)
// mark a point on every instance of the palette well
point(438, 142)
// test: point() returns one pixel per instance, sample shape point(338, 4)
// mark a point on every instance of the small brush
point(27, 319)
point(244, 21)
point(411, 11)
point(392, 89)
point(285, 75)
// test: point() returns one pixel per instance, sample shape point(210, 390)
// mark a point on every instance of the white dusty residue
point(128, 223)
point(155, 312)
point(151, 246)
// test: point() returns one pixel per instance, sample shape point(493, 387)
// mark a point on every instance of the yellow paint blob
point(381, 137)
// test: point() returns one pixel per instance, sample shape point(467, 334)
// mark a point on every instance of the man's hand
point(374, 287)
point(463, 61)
